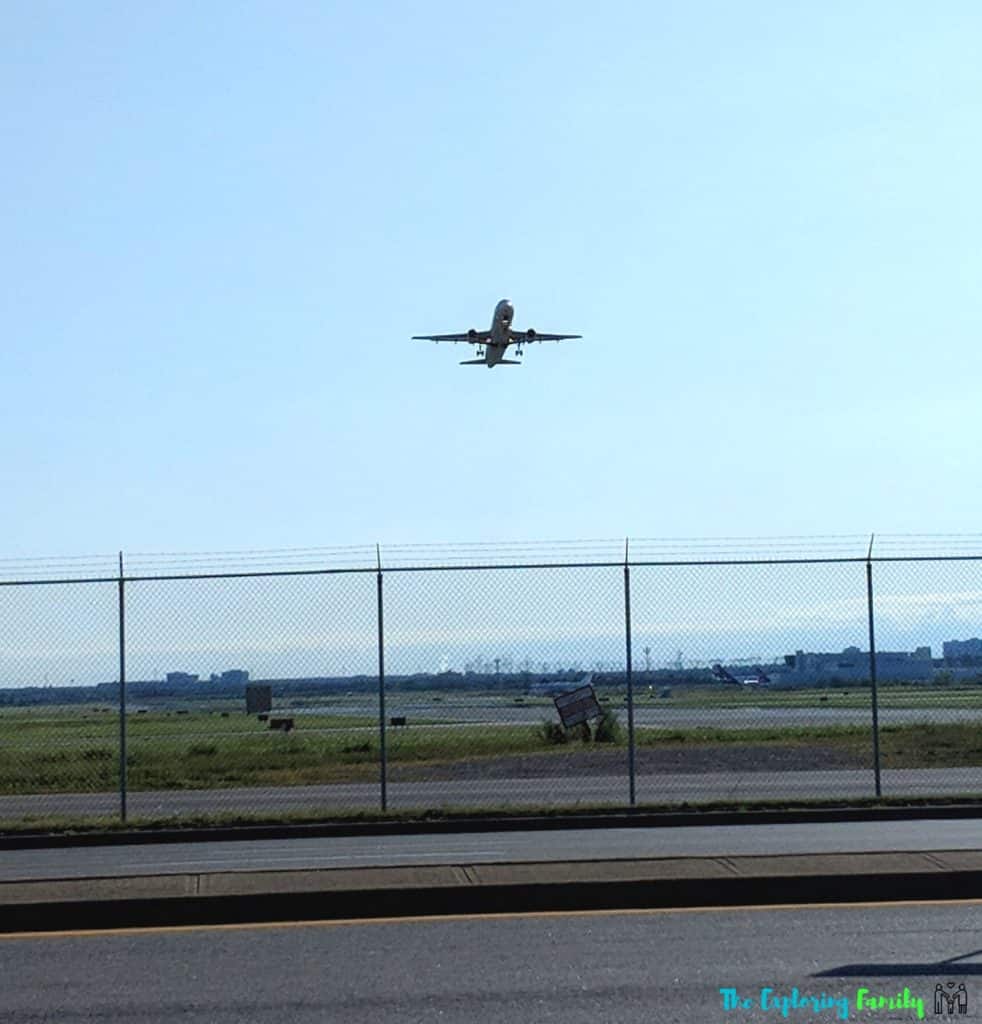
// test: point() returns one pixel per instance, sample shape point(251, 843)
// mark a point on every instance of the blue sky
point(223, 222)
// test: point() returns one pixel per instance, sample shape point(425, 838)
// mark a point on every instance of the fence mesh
point(253, 684)
point(474, 660)
point(930, 707)
point(194, 648)
point(58, 727)
point(733, 705)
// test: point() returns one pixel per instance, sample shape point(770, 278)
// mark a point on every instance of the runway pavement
point(653, 716)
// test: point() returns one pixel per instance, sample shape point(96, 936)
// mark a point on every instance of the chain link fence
point(326, 683)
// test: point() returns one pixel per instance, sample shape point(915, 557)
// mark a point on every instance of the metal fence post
point(630, 677)
point(872, 669)
point(122, 694)
point(381, 685)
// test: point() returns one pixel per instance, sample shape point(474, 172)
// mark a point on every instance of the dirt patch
point(648, 761)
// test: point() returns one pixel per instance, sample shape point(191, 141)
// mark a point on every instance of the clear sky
point(222, 223)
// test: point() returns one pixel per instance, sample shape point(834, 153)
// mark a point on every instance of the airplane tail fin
point(473, 362)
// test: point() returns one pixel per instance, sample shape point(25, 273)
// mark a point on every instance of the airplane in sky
point(493, 344)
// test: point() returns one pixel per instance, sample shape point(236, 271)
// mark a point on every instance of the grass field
point(47, 750)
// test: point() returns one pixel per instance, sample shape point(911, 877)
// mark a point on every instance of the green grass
point(901, 746)
point(931, 746)
point(72, 756)
point(46, 750)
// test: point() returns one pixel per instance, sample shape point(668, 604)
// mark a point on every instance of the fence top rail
point(480, 567)
point(505, 555)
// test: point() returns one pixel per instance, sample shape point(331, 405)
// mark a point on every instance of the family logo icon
point(955, 1001)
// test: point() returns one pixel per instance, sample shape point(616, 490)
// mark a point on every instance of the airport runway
point(582, 790)
point(651, 716)
point(297, 854)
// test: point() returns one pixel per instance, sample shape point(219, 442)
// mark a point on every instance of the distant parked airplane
point(493, 344)
point(721, 675)
point(761, 678)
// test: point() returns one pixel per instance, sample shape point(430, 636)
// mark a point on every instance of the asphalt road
point(628, 968)
point(491, 847)
point(517, 792)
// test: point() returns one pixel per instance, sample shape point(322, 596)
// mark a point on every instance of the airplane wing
point(475, 338)
point(523, 337)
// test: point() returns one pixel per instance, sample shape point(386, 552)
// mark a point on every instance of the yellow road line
point(438, 918)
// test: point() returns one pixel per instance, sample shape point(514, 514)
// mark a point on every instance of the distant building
point(180, 678)
point(235, 677)
point(853, 664)
point(962, 651)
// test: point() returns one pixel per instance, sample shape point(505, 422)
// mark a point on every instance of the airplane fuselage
point(496, 346)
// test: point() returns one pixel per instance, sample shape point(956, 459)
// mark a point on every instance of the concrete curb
point(431, 890)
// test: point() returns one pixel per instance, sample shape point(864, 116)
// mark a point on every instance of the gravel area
point(648, 761)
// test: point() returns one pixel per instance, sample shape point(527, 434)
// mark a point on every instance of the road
point(628, 968)
point(492, 847)
point(515, 792)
